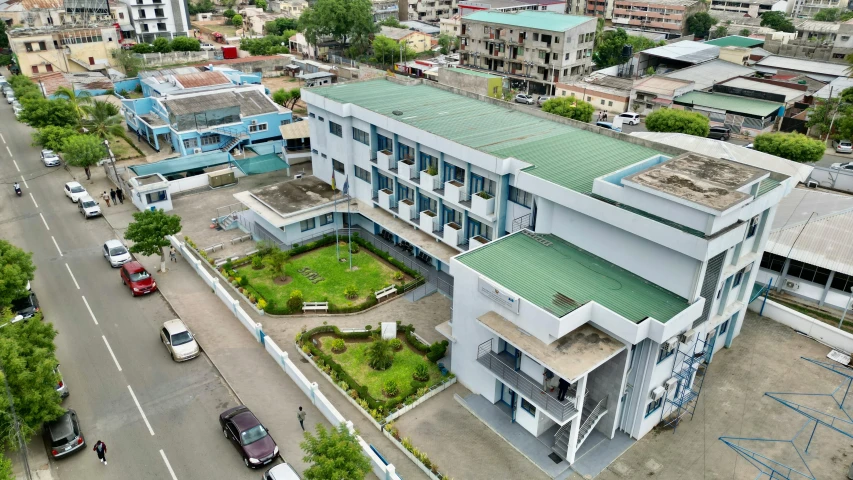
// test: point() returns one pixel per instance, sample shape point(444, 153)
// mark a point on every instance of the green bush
point(390, 388)
point(257, 262)
point(351, 292)
point(244, 281)
point(338, 345)
point(396, 344)
point(421, 373)
point(437, 351)
point(379, 355)
point(294, 303)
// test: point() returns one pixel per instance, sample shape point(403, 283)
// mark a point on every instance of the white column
point(576, 423)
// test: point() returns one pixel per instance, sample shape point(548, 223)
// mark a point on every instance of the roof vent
point(397, 112)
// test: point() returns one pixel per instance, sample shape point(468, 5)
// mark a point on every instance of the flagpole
point(349, 222)
point(335, 215)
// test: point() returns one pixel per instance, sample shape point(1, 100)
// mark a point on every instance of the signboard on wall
point(502, 297)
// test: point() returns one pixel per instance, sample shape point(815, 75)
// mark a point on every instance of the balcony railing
point(521, 383)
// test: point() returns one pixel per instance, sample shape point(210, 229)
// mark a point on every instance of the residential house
point(809, 8)
point(534, 49)
point(743, 115)
point(662, 16)
point(383, 9)
point(822, 71)
point(450, 26)
point(654, 92)
point(64, 48)
point(785, 93)
point(299, 45)
point(508, 6)
point(819, 41)
point(159, 18)
point(604, 92)
point(705, 75)
point(676, 55)
point(514, 211)
point(292, 8)
point(751, 8)
point(416, 41)
point(202, 112)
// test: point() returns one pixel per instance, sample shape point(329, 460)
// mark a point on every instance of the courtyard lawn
point(354, 362)
point(368, 276)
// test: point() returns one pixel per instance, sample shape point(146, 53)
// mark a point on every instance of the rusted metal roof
point(48, 4)
point(202, 79)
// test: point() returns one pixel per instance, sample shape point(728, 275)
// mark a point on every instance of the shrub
point(351, 292)
point(265, 247)
point(398, 276)
point(244, 281)
point(227, 265)
point(262, 304)
point(368, 327)
point(294, 303)
point(396, 344)
point(338, 346)
point(379, 355)
point(678, 121)
point(421, 372)
point(437, 351)
point(257, 262)
point(390, 388)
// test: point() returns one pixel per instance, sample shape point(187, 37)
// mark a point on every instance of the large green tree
point(334, 455)
point(4, 40)
point(52, 137)
point(569, 107)
point(345, 21)
point(102, 119)
point(262, 4)
point(385, 49)
point(40, 112)
point(777, 21)
point(281, 25)
point(75, 98)
point(793, 146)
point(678, 121)
point(609, 48)
point(84, 151)
point(28, 361)
point(201, 6)
point(269, 45)
point(148, 233)
point(237, 21)
point(827, 15)
point(16, 269)
point(822, 113)
point(699, 24)
point(128, 62)
point(185, 44)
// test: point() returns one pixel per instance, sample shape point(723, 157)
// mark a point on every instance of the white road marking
point(143, 416)
point(2, 138)
point(166, 460)
point(90, 310)
point(7, 149)
point(25, 181)
point(72, 277)
point(34, 200)
point(16, 164)
point(45, 221)
point(111, 352)
point(57, 245)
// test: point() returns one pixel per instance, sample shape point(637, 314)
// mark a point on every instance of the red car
point(140, 282)
point(243, 429)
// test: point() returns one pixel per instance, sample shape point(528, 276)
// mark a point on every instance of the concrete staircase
point(589, 419)
point(228, 146)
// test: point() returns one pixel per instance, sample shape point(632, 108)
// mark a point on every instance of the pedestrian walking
point(301, 416)
point(101, 449)
point(564, 388)
point(173, 255)
point(113, 196)
point(106, 197)
point(604, 116)
point(120, 195)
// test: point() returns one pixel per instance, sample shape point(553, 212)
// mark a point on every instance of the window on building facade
point(191, 143)
point(260, 127)
point(327, 219)
point(808, 272)
point(384, 143)
point(542, 54)
point(665, 353)
point(753, 226)
point(335, 129)
point(323, 155)
point(35, 68)
point(602, 101)
point(521, 197)
point(306, 225)
point(49, 67)
point(609, 104)
point(772, 261)
point(842, 282)
point(653, 406)
point(482, 184)
point(535, 37)
point(338, 166)
point(428, 161)
point(321, 119)
point(311, 115)
point(362, 174)
point(528, 407)
point(154, 197)
point(738, 278)
point(724, 327)
point(360, 136)
point(406, 151)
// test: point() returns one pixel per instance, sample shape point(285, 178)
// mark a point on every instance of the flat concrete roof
point(293, 196)
point(570, 357)
point(711, 182)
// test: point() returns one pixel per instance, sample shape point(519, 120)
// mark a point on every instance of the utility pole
point(113, 163)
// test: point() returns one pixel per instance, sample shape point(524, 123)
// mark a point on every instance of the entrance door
point(91, 60)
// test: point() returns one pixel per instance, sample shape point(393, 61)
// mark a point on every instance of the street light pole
point(113, 163)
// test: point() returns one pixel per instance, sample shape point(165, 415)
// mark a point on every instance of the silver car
point(116, 253)
point(842, 146)
point(282, 471)
point(179, 341)
point(89, 207)
point(525, 99)
point(61, 386)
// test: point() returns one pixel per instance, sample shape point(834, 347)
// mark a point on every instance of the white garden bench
point(241, 239)
point(385, 292)
point(315, 306)
point(213, 248)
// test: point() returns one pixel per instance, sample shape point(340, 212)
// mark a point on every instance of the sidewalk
point(245, 366)
point(37, 458)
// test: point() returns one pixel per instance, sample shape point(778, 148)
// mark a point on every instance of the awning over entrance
point(127, 28)
point(295, 130)
point(570, 357)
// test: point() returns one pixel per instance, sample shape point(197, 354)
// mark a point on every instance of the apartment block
point(821, 41)
point(662, 16)
point(159, 18)
point(808, 8)
point(534, 49)
point(66, 49)
point(431, 11)
point(752, 8)
point(576, 258)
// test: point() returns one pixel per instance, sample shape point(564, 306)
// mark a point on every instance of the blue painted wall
point(130, 84)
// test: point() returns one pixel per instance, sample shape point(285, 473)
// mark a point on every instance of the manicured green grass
point(354, 362)
point(371, 275)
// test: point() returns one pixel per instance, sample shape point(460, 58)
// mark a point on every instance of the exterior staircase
point(589, 419)
point(231, 144)
point(228, 221)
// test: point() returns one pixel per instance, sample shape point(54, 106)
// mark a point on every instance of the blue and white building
point(203, 111)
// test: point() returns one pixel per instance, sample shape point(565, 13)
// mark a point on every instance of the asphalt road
point(157, 417)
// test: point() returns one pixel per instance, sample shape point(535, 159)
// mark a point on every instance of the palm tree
point(102, 119)
point(77, 100)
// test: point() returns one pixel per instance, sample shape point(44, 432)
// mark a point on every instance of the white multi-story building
point(613, 263)
point(159, 18)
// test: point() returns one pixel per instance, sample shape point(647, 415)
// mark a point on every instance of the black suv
point(720, 133)
point(64, 435)
point(26, 306)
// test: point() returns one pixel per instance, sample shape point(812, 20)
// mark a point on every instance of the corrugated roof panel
point(729, 103)
point(561, 277)
point(824, 242)
point(552, 21)
point(736, 41)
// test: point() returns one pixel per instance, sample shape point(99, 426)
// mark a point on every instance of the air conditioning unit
point(688, 337)
point(812, 184)
point(670, 344)
point(670, 384)
point(657, 393)
point(197, 150)
point(792, 285)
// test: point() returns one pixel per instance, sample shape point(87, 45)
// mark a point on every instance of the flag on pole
point(346, 185)
point(333, 183)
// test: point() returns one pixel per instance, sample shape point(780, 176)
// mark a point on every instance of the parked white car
point(116, 253)
point(207, 47)
point(630, 118)
point(842, 146)
point(88, 206)
point(842, 166)
point(525, 99)
point(75, 191)
point(49, 158)
point(179, 341)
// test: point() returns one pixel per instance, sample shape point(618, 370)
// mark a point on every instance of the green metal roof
point(561, 277)
point(183, 164)
point(766, 185)
point(551, 21)
point(736, 41)
point(475, 73)
point(729, 103)
point(561, 154)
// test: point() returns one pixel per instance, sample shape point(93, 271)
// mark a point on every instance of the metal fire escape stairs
point(589, 418)
point(688, 371)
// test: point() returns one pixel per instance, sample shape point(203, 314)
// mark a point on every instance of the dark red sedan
point(243, 429)
point(137, 279)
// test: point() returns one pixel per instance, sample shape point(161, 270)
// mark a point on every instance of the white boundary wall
point(828, 334)
point(310, 389)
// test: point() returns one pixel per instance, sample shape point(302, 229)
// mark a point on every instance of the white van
point(630, 118)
